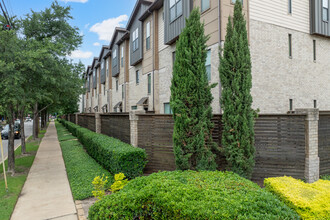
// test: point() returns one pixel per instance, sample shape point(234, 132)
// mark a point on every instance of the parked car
point(17, 131)
point(27, 119)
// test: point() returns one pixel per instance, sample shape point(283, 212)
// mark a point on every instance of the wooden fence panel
point(117, 126)
point(87, 121)
point(279, 141)
point(280, 146)
point(324, 143)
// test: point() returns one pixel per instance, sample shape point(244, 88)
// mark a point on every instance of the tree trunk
point(35, 121)
point(11, 139)
point(21, 118)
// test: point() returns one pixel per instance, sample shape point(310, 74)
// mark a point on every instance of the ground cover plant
point(310, 201)
point(325, 177)
point(113, 154)
point(23, 164)
point(80, 167)
point(191, 195)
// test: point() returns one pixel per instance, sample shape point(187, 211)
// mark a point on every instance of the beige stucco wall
point(277, 78)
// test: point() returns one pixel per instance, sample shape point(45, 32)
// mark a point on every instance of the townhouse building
point(289, 44)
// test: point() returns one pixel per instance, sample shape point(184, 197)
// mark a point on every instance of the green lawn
point(15, 184)
point(80, 167)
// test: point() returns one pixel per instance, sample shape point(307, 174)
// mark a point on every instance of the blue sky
point(96, 20)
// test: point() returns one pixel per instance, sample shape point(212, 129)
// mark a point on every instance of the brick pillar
point(134, 118)
point(312, 160)
point(76, 115)
point(97, 122)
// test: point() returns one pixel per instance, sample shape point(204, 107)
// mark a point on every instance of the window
point(234, 1)
point(103, 89)
point(149, 83)
point(135, 39)
point(122, 57)
point(325, 10)
point(173, 57)
point(208, 65)
point(167, 108)
point(148, 36)
point(175, 9)
point(137, 77)
point(205, 5)
point(291, 104)
point(315, 103)
point(114, 57)
point(290, 45)
point(117, 85)
point(122, 92)
point(290, 6)
point(106, 66)
point(134, 107)
point(314, 50)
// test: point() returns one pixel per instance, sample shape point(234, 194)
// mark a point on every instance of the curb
point(80, 210)
point(15, 148)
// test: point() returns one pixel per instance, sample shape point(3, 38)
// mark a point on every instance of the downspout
point(220, 47)
point(153, 62)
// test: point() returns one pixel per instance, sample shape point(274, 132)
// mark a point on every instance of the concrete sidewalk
point(46, 193)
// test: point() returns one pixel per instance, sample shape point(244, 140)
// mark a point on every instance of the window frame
point(174, 7)
point(148, 33)
point(122, 57)
point(325, 8)
point(114, 58)
point(314, 50)
point(208, 74)
point(290, 45)
point(165, 104)
point(137, 77)
point(205, 9)
point(149, 83)
point(290, 7)
point(234, 1)
point(135, 40)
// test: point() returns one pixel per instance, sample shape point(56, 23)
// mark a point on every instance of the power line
point(10, 8)
point(4, 13)
point(4, 5)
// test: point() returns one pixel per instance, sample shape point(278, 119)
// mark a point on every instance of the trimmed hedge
point(81, 168)
point(113, 154)
point(311, 201)
point(191, 195)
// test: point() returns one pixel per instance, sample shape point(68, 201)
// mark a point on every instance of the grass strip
point(80, 167)
point(15, 183)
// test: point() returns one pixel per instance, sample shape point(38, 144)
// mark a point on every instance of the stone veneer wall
point(277, 78)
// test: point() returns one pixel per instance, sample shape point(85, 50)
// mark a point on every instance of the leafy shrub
point(325, 177)
point(99, 186)
point(191, 195)
point(80, 167)
point(113, 154)
point(311, 201)
point(119, 183)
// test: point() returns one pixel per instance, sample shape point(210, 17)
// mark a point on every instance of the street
point(28, 132)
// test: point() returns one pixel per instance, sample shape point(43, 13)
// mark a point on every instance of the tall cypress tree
point(236, 101)
point(191, 100)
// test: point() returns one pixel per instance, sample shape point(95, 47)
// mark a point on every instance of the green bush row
point(113, 154)
point(191, 195)
point(81, 168)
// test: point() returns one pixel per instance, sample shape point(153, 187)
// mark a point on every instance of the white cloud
point(106, 28)
point(80, 1)
point(96, 44)
point(78, 54)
